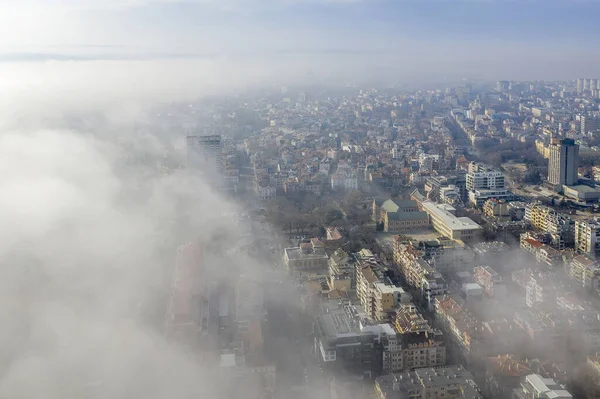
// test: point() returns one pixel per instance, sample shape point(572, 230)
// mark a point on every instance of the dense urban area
point(434, 244)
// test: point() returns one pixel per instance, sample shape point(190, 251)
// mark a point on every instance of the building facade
point(563, 162)
point(587, 234)
point(204, 154)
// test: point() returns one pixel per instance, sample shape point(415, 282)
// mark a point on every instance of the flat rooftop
point(297, 253)
point(447, 218)
point(388, 289)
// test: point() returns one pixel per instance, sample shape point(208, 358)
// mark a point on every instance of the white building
point(484, 183)
point(534, 386)
point(450, 194)
point(428, 162)
point(482, 177)
point(344, 180)
point(266, 193)
point(479, 197)
point(446, 223)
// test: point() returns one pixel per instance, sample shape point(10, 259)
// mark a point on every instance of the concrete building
point(450, 195)
point(265, 193)
point(480, 196)
point(307, 258)
point(399, 215)
point(582, 194)
point(403, 221)
point(344, 341)
point(204, 155)
point(563, 162)
point(534, 386)
point(386, 298)
point(484, 183)
point(590, 125)
point(377, 295)
point(344, 180)
point(450, 382)
point(422, 345)
point(418, 273)
point(444, 254)
point(490, 281)
point(446, 223)
point(540, 290)
point(585, 272)
point(497, 209)
point(587, 234)
point(463, 328)
point(483, 177)
point(546, 219)
point(381, 206)
point(341, 271)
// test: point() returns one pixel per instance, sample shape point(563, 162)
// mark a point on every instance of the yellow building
point(403, 221)
point(376, 297)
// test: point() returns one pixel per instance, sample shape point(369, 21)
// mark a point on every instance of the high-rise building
point(502, 85)
point(564, 162)
point(579, 85)
point(204, 154)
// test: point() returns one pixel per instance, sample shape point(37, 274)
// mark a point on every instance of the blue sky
point(481, 33)
point(244, 25)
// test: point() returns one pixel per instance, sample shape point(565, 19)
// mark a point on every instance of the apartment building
point(265, 193)
point(422, 346)
point(496, 208)
point(587, 237)
point(418, 272)
point(449, 382)
point(484, 183)
point(540, 290)
point(546, 219)
point(543, 253)
point(442, 253)
point(344, 180)
point(481, 176)
point(345, 340)
point(385, 298)
point(585, 272)
point(341, 271)
point(490, 281)
point(376, 293)
point(462, 327)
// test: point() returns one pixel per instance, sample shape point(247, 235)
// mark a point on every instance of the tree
point(332, 216)
point(351, 199)
point(532, 176)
